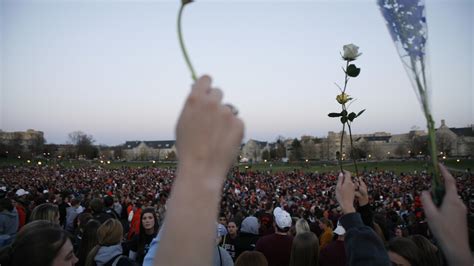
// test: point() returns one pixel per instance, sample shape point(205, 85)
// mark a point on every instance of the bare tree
point(84, 144)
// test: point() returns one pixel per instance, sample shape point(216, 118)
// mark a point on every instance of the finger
point(430, 209)
point(202, 85)
point(216, 95)
point(449, 181)
point(362, 182)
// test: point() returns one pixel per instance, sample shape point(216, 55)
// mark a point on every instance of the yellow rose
point(342, 98)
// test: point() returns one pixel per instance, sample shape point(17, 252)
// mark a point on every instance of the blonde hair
point(45, 211)
point(301, 226)
point(109, 233)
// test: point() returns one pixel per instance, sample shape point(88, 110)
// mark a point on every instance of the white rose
point(351, 52)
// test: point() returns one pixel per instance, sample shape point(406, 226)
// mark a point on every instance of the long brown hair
point(40, 235)
point(109, 233)
point(305, 250)
point(89, 240)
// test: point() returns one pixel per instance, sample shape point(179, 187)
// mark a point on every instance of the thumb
point(430, 209)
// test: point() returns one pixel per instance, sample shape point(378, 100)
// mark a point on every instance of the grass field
point(395, 166)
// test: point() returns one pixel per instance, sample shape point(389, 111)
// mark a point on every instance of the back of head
point(40, 235)
point(428, 250)
point(108, 201)
point(305, 249)
point(327, 222)
point(110, 233)
point(250, 225)
point(301, 226)
point(253, 258)
point(407, 249)
point(96, 205)
point(6, 204)
point(45, 211)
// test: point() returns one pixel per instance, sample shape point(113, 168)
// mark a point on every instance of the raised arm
point(363, 246)
point(208, 137)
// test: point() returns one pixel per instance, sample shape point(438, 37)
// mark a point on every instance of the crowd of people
point(246, 208)
point(198, 214)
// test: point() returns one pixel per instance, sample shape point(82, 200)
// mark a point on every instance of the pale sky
point(114, 69)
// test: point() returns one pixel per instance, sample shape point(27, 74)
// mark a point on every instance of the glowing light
point(39, 163)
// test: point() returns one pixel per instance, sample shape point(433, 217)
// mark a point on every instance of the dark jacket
point(363, 246)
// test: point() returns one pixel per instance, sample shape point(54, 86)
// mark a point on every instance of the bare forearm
point(192, 212)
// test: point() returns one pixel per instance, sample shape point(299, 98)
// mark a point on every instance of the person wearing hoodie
point(8, 219)
point(248, 236)
point(109, 249)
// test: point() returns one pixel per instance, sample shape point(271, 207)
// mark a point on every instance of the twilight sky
point(114, 69)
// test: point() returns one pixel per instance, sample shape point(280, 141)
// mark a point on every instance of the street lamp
point(39, 163)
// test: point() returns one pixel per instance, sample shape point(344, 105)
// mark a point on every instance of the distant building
point(19, 142)
point(253, 149)
point(149, 150)
point(457, 142)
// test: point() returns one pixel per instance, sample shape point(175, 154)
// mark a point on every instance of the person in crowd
point(221, 256)
point(326, 236)
point(41, 243)
point(79, 228)
point(140, 243)
point(248, 237)
point(98, 213)
point(230, 239)
point(23, 212)
point(9, 219)
point(71, 214)
point(277, 246)
point(135, 215)
point(45, 211)
point(334, 253)
point(305, 250)
point(301, 226)
point(109, 207)
point(266, 220)
point(222, 219)
point(88, 240)
point(109, 250)
point(251, 258)
point(62, 201)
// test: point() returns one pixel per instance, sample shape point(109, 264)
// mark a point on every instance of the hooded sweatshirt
point(9, 222)
point(106, 253)
point(248, 236)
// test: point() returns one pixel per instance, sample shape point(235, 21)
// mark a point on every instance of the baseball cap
point(282, 218)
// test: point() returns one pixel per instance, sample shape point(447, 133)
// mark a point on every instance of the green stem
point(437, 188)
point(183, 48)
point(340, 148)
point(352, 149)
